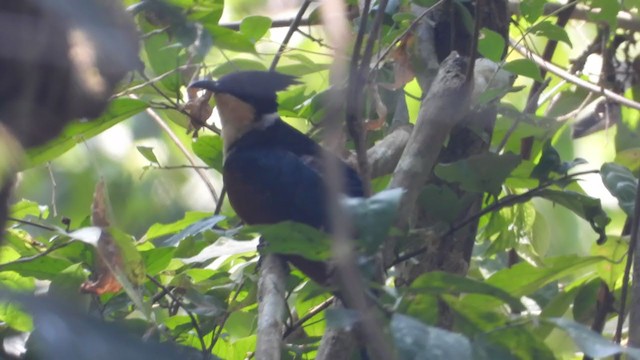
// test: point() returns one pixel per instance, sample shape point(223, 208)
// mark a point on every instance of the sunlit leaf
point(223, 247)
point(255, 27)
point(209, 149)
point(193, 229)
point(24, 208)
point(228, 39)
point(584, 206)
point(524, 67)
point(532, 9)
point(551, 32)
point(148, 154)
point(441, 283)
point(491, 45)
point(158, 230)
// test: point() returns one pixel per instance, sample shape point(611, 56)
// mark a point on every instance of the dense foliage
point(153, 255)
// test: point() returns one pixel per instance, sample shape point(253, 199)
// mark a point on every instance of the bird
point(272, 172)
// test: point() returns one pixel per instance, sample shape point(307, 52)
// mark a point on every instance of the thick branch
point(384, 155)
point(445, 105)
point(271, 308)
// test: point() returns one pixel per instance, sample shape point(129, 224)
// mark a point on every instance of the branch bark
point(271, 308)
point(444, 106)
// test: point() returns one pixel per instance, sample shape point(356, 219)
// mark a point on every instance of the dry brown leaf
point(198, 109)
point(381, 111)
point(105, 281)
point(402, 68)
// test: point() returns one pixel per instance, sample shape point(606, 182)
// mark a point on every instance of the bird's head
point(246, 100)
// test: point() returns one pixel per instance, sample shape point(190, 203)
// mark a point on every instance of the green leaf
point(193, 229)
point(518, 340)
point(446, 283)
point(132, 262)
point(148, 154)
point(551, 32)
point(255, 27)
point(24, 208)
point(373, 217)
point(523, 278)
point(43, 267)
point(293, 238)
point(223, 247)
point(622, 184)
point(584, 206)
point(614, 249)
point(415, 340)
point(163, 57)
point(491, 45)
point(584, 304)
point(15, 317)
point(532, 9)
point(591, 343)
point(604, 10)
point(441, 202)
point(524, 67)
point(157, 230)
point(157, 260)
point(240, 324)
point(210, 149)
point(228, 39)
point(549, 162)
point(479, 173)
point(79, 131)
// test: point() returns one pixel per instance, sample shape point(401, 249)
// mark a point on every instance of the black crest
point(257, 88)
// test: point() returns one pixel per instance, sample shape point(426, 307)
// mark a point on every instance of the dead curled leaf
point(198, 109)
point(381, 111)
point(105, 281)
point(117, 259)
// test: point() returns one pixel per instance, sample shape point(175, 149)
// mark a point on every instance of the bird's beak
point(210, 85)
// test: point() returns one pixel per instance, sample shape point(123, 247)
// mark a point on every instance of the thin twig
point(203, 175)
point(30, 223)
point(292, 29)
point(154, 80)
point(216, 336)
point(312, 312)
point(54, 186)
point(504, 202)
point(409, 29)
point(194, 321)
point(556, 70)
point(36, 256)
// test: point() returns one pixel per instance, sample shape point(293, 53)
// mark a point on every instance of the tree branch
point(444, 106)
point(558, 71)
point(271, 308)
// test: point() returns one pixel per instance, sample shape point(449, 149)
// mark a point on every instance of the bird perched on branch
point(272, 172)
